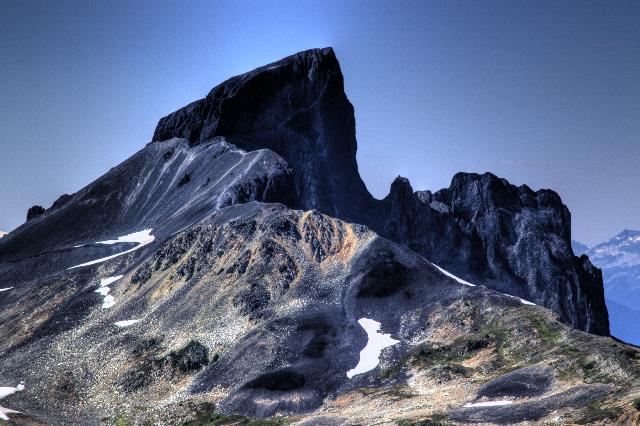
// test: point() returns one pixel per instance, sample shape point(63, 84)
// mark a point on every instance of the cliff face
point(296, 107)
point(508, 238)
point(511, 239)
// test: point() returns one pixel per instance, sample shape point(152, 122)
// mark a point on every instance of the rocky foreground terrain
point(236, 271)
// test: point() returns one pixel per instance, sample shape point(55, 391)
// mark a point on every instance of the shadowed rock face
point(482, 228)
point(508, 238)
point(296, 107)
point(34, 212)
point(524, 382)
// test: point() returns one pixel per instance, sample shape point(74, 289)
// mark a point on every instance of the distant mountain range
point(2, 234)
point(619, 259)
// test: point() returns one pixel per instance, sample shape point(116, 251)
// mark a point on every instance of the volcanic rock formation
point(482, 228)
point(225, 270)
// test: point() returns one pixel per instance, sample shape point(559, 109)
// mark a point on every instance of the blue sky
point(545, 93)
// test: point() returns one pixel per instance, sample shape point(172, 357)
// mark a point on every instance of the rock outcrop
point(508, 238)
point(34, 212)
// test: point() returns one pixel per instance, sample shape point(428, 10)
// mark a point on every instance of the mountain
point(297, 108)
point(508, 238)
point(619, 259)
point(2, 234)
point(579, 248)
point(481, 227)
point(236, 268)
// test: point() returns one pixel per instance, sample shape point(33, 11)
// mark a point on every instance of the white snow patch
point(450, 275)
point(126, 323)
point(142, 238)
point(108, 301)
point(109, 280)
point(4, 392)
point(5, 289)
point(104, 289)
point(461, 281)
point(488, 404)
point(370, 355)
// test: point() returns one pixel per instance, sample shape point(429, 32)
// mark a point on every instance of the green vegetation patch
point(392, 392)
point(545, 333)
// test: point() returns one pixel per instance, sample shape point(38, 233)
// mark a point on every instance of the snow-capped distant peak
point(623, 250)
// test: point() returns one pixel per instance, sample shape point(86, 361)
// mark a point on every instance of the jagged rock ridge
point(508, 238)
point(482, 228)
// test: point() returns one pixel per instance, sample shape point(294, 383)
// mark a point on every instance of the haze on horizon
point(541, 93)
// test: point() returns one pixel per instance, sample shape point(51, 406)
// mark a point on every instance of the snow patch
point(141, 237)
point(370, 355)
point(126, 323)
point(4, 392)
point(450, 275)
point(104, 289)
point(5, 289)
point(488, 404)
point(461, 281)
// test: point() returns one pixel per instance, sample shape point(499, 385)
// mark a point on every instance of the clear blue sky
point(539, 92)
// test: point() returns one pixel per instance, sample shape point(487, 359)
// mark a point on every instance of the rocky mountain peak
point(485, 230)
point(619, 259)
point(629, 236)
point(295, 114)
point(621, 250)
point(241, 103)
point(295, 107)
point(400, 189)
